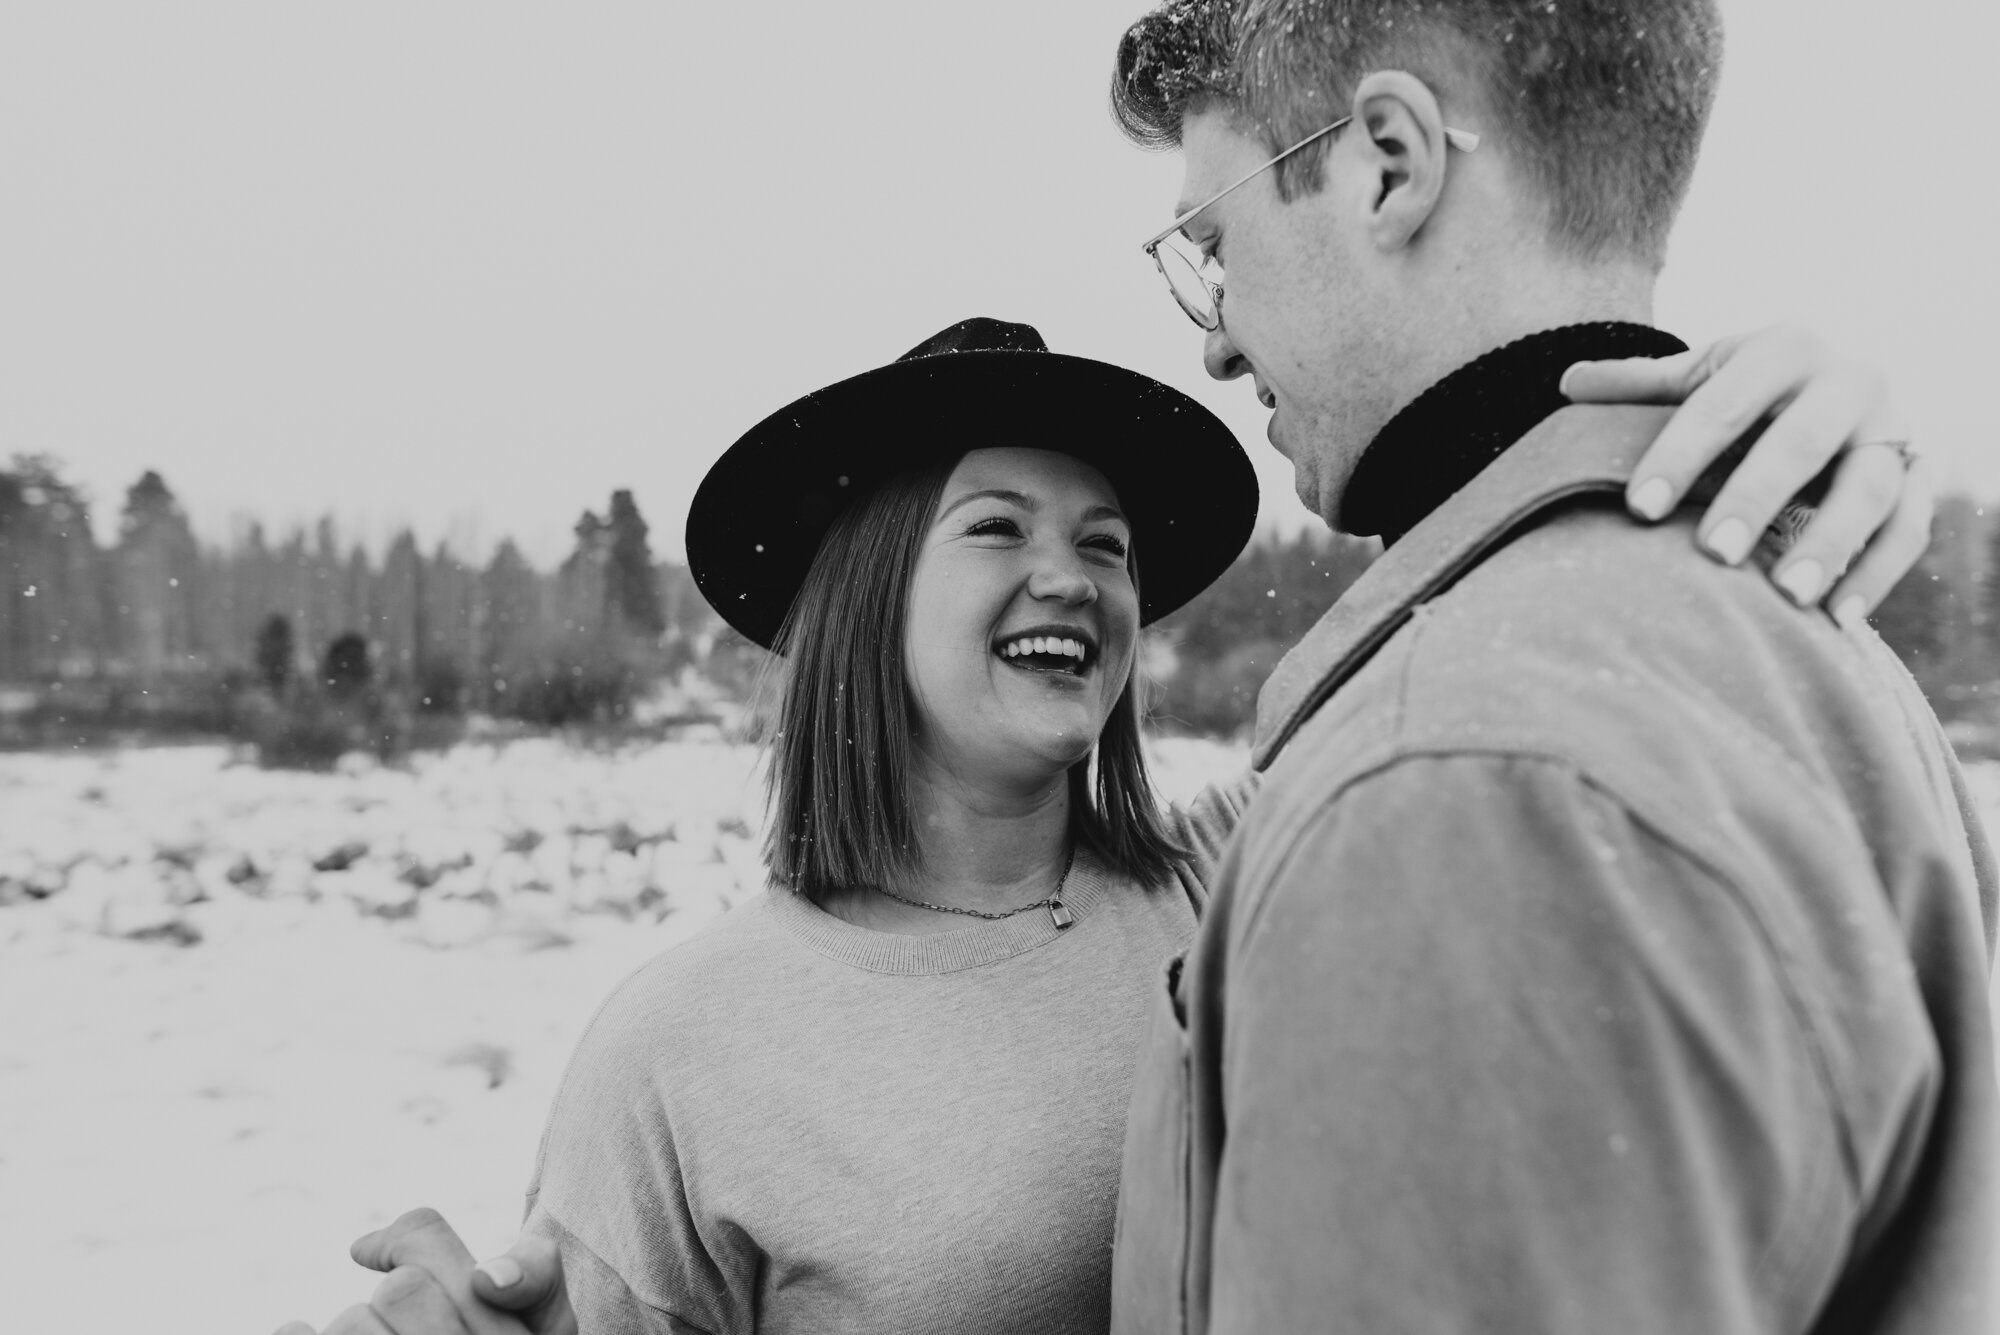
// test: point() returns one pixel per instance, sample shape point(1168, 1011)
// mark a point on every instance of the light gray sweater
point(789, 1123)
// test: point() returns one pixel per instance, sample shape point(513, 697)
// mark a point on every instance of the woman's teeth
point(1036, 644)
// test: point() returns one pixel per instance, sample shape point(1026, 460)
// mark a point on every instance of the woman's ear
point(1403, 140)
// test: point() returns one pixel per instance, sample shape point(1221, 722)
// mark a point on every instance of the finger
point(418, 1237)
point(528, 1279)
point(1869, 485)
point(1745, 383)
point(1667, 379)
point(422, 1238)
point(525, 1275)
point(1895, 550)
point(1788, 456)
point(412, 1302)
point(357, 1320)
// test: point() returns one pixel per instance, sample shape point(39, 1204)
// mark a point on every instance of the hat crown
point(979, 334)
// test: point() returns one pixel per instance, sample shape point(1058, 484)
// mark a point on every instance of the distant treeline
point(1943, 620)
point(157, 630)
point(1210, 658)
point(155, 624)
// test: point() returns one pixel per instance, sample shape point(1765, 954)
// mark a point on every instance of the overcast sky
point(471, 266)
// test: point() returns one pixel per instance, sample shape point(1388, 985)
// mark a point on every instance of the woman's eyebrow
point(1027, 503)
point(1013, 497)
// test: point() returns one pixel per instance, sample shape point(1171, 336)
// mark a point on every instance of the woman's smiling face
point(1023, 619)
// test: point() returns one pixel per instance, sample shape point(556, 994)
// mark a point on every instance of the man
point(1417, 1105)
point(1608, 947)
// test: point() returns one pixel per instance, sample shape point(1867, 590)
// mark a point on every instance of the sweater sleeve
point(1494, 1055)
point(603, 1301)
point(1204, 825)
point(608, 1188)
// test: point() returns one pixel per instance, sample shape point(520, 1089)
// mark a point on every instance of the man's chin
point(1311, 489)
point(1320, 477)
point(1305, 484)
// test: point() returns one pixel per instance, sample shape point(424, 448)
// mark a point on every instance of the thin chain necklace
point(1058, 911)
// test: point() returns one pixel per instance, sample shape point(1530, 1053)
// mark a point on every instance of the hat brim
point(1185, 484)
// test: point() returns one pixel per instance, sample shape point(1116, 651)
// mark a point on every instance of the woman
point(890, 1095)
point(893, 1098)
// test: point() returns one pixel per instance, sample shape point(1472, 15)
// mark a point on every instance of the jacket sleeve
point(1493, 1055)
point(1204, 825)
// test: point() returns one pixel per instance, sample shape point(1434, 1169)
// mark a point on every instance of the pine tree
point(1221, 647)
point(582, 588)
point(52, 612)
point(629, 584)
point(516, 635)
point(157, 569)
point(399, 613)
point(274, 652)
point(253, 585)
point(1913, 621)
point(1990, 596)
point(325, 591)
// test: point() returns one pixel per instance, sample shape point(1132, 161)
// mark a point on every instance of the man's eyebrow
point(996, 493)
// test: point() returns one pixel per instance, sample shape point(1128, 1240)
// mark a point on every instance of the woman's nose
point(1062, 578)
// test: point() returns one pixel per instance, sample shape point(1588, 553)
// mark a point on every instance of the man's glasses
point(1195, 278)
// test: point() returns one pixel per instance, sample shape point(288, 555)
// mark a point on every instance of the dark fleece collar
point(1458, 426)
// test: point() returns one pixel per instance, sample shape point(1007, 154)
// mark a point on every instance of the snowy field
point(252, 1015)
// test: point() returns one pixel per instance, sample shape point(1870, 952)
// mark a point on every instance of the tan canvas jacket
point(1607, 950)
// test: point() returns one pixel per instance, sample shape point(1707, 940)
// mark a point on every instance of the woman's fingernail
point(1729, 541)
point(1652, 498)
point(503, 1271)
point(1851, 612)
point(1562, 385)
point(1803, 581)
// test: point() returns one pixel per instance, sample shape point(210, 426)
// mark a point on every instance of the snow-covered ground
point(251, 1015)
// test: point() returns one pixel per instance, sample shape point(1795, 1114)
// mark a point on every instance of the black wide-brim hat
point(1184, 483)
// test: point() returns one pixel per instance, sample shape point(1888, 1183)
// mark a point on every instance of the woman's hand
point(1875, 520)
point(434, 1289)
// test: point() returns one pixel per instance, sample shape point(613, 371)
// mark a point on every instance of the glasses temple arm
point(1465, 141)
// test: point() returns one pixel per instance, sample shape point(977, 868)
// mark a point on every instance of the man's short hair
point(1603, 102)
point(844, 757)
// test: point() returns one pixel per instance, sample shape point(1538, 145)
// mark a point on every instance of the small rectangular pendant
point(1061, 914)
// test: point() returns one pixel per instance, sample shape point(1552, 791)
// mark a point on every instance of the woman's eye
point(1109, 542)
point(998, 526)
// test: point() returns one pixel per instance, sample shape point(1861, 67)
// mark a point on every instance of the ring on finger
point(1906, 451)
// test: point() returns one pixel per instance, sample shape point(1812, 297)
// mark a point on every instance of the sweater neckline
point(940, 952)
point(1447, 435)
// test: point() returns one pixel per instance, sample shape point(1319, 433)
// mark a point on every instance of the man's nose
point(1220, 357)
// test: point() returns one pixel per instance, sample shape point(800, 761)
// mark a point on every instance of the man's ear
point(1403, 129)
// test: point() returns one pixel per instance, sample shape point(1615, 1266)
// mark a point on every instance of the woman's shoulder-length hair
point(844, 749)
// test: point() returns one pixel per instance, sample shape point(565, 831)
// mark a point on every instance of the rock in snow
point(123, 842)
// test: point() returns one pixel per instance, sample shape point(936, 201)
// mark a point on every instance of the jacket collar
point(1580, 451)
